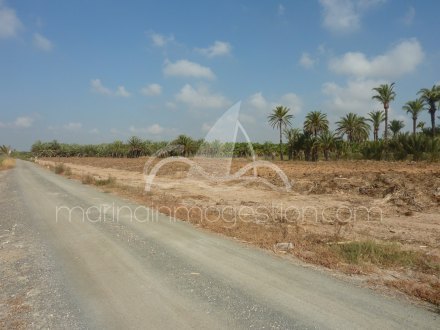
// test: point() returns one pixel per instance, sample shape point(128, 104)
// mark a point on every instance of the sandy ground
point(357, 200)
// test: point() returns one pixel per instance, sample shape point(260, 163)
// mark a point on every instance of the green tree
point(414, 108)
point(376, 118)
point(135, 147)
point(292, 136)
point(327, 143)
point(385, 95)
point(5, 150)
point(430, 97)
point(187, 143)
point(280, 118)
point(316, 122)
point(395, 126)
point(354, 126)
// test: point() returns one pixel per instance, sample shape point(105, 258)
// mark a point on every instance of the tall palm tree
point(135, 146)
point(280, 118)
point(354, 126)
point(187, 144)
point(414, 108)
point(376, 118)
point(430, 97)
point(5, 150)
point(316, 122)
point(327, 142)
point(292, 136)
point(385, 94)
point(395, 126)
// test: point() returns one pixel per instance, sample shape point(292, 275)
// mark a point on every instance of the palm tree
point(385, 94)
point(292, 135)
point(376, 118)
point(354, 126)
point(430, 97)
point(187, 144)
point(316, 122)
point(414, 108)
point(421, 125)
point(280, 118)
point(395, 126)
point(327, 142)
point(135, 146)
point(5, 150)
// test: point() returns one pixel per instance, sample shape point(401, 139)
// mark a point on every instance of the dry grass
point(7, 163)
point(59, 168)
point(424, 289)
point(418, 273)
point(91, 180)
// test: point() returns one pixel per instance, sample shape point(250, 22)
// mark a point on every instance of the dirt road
point(115, 272)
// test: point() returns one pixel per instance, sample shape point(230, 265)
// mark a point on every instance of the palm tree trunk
point(432, 112)
point(414, 125)
point(386, 123)
point(281, 144)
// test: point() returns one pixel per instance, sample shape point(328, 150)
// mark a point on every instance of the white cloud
point(306, 61)
point(219, 48)
point(23, 122)
point(152, 90)
point(72, 126)
point(340, 15)
point(281, 9)
point(160, 40)
point(2, 124)
point(121, 91)
point(42, 43)
point(410, 14)
point(355, 97)
point(206, 127)
point(171, 105)
point(401, 59)
point(185, 68)
point(290, 100)
point(154, 129)
point(10, 24)
point(94, 131)
point(97, 87)
point(258, 101)
point(246, 119)
point(345, 15)
point(201, 98)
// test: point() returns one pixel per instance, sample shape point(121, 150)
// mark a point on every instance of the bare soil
point(330, 203)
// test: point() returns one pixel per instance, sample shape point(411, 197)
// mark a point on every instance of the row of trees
point(349, 140)
point(355, 128)
point(300, 144)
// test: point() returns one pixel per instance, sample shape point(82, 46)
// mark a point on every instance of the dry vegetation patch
point(6, 163)
point(400, 249)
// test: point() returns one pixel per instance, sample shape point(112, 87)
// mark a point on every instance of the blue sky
point(96, 71)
